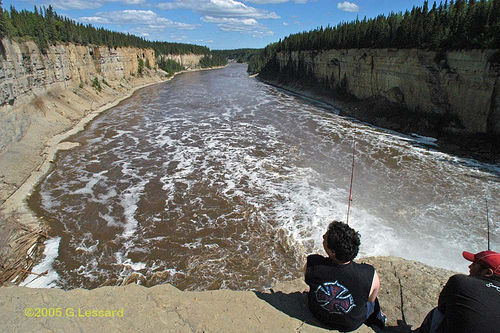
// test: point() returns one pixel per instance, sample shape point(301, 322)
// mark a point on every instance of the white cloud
point(70, 4)
point(178, 37)
point(263, 2)
point(228, 15)
point(81, 4)
point(202, 41)
point(243, 25)
point(232, 23)
point(94, 19)
point(133, 2)
point(348, 7)
point(144, 18)
point(127, 2)
point(219, 8)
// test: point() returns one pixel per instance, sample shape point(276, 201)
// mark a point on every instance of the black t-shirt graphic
point(470, 304)
point(338, 293)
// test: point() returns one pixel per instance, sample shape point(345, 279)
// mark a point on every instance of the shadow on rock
point(295, 305)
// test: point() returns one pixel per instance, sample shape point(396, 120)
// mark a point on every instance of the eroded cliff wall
point(26, 71)
point(189, 61)
point(44, 94)
point(463, 84)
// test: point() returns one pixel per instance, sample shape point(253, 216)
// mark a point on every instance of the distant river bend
point(216, 180)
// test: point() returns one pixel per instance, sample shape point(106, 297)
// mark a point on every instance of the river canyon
point(217, 180)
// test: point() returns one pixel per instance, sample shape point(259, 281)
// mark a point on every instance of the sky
point(217, 24)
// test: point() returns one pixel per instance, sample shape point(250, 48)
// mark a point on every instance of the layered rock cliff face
point(189, 61)
point(44, 94)
point(462, 85)
point(26, 71)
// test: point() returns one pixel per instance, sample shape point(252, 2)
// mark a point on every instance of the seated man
point(469, 303)
point(342, 293)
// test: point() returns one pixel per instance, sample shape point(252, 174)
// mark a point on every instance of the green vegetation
point(96, 84)
point(258, 62)
point(170, 66)
point(212, 61)
point(454, 25)
point(240, 55)
point(141, 65)
point(46, 27)
point(3, 28)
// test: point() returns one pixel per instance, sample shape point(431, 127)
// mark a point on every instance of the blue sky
point(218, 24)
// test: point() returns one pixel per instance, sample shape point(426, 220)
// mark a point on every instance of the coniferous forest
point(239, 55)
point(449, 25)
point(170, 66)
point(213, 60)
point(46, 27)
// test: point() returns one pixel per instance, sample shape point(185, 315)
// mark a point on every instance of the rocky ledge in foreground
point(409, 290)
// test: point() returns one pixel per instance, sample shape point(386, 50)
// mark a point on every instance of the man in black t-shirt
point(342, 293)
point(469, 303)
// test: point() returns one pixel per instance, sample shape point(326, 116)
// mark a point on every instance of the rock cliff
point(26, 72)
point(408, 291)
point(189, 61)
point(44, 94)
point(463, 87)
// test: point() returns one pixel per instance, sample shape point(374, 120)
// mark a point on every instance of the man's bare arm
point(375, 288)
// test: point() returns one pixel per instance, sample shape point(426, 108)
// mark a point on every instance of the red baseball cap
point(489, 259)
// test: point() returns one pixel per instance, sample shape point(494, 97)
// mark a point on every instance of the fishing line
point(352, 173)
point(488, 222)
point(350, 189)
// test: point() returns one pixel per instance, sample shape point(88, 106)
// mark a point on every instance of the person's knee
point(374, 316)
point(433, 322)
point(370, 308)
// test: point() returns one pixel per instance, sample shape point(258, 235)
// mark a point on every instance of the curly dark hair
point(343, 240)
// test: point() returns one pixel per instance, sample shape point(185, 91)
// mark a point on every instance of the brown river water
point(217, 180)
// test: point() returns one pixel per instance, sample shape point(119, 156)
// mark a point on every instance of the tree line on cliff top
point(45, 27)
point(239, 55)
point(451, 25)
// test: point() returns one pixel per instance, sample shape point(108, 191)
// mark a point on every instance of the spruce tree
point(3, 28)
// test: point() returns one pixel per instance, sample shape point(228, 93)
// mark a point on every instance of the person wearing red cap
point(469, 303)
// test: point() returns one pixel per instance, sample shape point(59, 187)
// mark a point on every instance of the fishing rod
point(488, 222)
point(352, 174)
point(350, 188)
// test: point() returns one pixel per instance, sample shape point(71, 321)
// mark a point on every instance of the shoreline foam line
point(43, 275)
point(17, 203)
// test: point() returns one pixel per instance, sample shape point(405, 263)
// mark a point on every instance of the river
point(217, 180)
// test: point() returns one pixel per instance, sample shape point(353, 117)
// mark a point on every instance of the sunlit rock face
point(462, 84)
point(25, 69)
